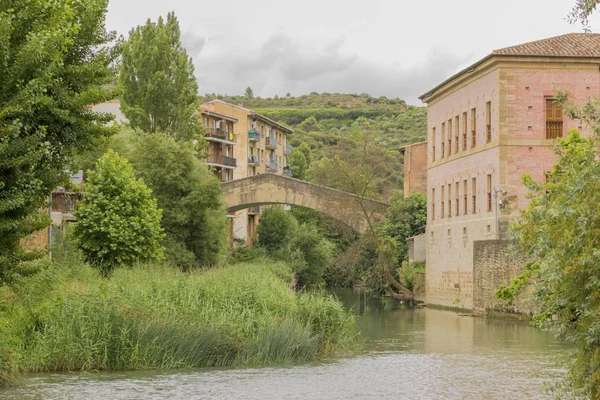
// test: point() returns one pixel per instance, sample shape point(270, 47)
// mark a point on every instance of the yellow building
point(259, 146)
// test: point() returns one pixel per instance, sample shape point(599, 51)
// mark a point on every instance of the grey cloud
point(282, 65)
point(192, 43)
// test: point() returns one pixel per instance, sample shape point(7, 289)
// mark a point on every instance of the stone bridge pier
point(267, 189)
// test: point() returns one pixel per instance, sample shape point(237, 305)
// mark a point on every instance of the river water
point(407, 354)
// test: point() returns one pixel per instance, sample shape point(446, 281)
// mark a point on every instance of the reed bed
point(70, 318)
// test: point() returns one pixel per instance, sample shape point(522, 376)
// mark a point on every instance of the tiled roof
point(569, 45)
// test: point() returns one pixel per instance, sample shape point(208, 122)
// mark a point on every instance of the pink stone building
point(488, 125)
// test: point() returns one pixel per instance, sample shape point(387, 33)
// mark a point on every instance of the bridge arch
point(267, 189)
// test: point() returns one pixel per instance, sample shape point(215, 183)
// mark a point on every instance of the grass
point(70, 318)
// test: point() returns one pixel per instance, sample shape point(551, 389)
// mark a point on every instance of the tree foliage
point(194, 214)
point(276, 229)
point(158, 83)
point(560, 232)
point(359, 166)
point(249, 94)
point(54, 61)
point(405, 218)
point(581, 12)
point(118, 223)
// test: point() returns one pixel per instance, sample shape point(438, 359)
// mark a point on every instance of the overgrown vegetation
point(70, 318)
point(560, 232)
point(301, 245)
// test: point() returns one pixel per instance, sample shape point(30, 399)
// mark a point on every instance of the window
point(443, 140)
point(473, 127)
point(465, 212)
point(443, 199)
point(432, 204)
point(457, 198)
point(554, 119)
point(456, 133)
point(488, 122)
point(489, 192)
point(464, 132)
point(474, 195)
point(449, 137)
point(449, 200)
point(433, 144)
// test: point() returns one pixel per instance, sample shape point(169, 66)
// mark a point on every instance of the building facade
point(487, 126)
point(415, 168)
point(260, 146)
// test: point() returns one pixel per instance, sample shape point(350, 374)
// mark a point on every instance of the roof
point(225, 117)
point(256, 115)
point(570, 45)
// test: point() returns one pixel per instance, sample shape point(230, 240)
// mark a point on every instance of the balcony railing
point(287, 170)
point(220, 134)
point(253, 160)
point(273, 166)
point(254, 135)
point(221, 160)
point(288, 149)
point(271, 142)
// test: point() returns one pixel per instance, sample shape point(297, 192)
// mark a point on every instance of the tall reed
point(70, 318)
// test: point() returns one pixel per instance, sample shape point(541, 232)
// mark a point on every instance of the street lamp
point(498, 204)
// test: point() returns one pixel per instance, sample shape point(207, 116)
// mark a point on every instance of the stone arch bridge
point(267, 189)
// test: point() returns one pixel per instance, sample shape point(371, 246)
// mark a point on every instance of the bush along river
point(407, 354)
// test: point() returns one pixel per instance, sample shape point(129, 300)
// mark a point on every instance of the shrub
point(118, 222)
point(276, 229)
point(316, 252)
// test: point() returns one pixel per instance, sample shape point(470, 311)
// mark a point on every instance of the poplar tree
point(54, 61)
point(159, 89)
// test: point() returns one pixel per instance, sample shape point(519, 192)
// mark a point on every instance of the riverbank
point(68, 317)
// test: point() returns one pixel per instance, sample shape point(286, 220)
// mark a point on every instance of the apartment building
point(488, 125)
point(221, 143)
point(260, 147)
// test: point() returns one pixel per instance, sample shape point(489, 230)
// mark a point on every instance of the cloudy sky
point(394, 48)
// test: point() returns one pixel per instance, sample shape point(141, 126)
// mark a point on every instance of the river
point(407, 354)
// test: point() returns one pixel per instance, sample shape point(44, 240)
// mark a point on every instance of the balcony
point(271, 143)
point(272, 167)
point(254, 210)
point(288, 149)
point(218, 135)
point(287, 170)
point(253, 135)
point(253, 160)
point(218, 160)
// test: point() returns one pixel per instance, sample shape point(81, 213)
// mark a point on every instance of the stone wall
point(417, 248)
point(495, 263)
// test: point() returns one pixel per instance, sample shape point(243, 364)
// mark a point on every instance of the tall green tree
point(560, 232)
point(54, 62)
point(297, 160)
point(160, 92)
point(194, 214)
point(118, 223)
point(249, 93)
